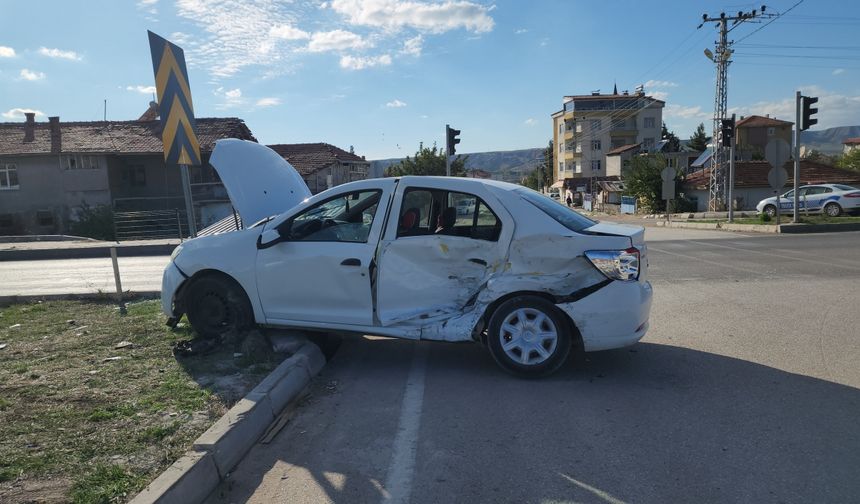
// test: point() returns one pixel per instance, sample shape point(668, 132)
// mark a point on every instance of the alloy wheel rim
point(528, 336)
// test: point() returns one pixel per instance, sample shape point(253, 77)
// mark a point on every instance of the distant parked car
point(830, 199)
point(466, 206)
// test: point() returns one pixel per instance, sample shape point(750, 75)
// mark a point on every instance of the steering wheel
point(327, 223)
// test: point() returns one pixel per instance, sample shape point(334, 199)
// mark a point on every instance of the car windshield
point(568, 218)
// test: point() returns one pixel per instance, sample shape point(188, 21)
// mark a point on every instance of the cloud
point(393, 15)
point(682, 112)
point(18, 113)
point(520, 31)
point(544, 42)
point(7, 52)
point(59, 53)
point(413, 46)
point(268, 102)
point(141, 89)
point(395, 104)
point(530, 121)
point(834, 109)
point(660, 95)
point(287, 32)
point(336, 40)
point(233, 93)
point(360, 63)
point(229, 98)
point(31, 75)
point(660, 84)
point(839, 71)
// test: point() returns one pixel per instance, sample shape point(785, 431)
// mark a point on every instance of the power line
point(748, 35)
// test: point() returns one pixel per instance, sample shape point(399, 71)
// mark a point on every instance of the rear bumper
point(613, 317)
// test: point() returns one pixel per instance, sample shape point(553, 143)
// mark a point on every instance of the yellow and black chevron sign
point(179, 129)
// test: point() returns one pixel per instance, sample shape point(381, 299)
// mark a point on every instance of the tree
point(427, 161)
point(645, 182)
point(541, 176)
point(699, 140)
point(850, 160)
point(817, 156)
point(674, 144)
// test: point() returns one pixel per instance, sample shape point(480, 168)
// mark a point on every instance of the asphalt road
point(78, 276)
point(744, 390)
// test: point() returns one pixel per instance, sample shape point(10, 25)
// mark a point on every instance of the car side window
point(436, 211)
point(344, 218)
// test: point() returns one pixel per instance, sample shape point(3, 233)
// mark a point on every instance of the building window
point(649, 122)
point(561, 166)
point(770, 131)
point(8, 177)
point(595, 145)
point(578, 167)
point(44, 218)
point(648, 143)
point(595, 124)
point(595, 165)
point(81, 162)
point(134, 175)
point(560, 128)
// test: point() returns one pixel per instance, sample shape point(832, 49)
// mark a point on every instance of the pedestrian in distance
point(569, 201)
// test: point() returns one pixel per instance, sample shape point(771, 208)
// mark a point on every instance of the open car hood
point(259, 181)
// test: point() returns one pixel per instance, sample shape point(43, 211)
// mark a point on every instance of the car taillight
point(852, 195)
point(616, 264)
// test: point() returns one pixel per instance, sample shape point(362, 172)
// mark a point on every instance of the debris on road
point(3, 345)
point(111, 359)
point(124, 344)
point(15, 326)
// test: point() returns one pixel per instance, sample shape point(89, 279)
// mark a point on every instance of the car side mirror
point(269, 238)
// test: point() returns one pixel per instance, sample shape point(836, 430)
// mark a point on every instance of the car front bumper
point(613, 317)
point(170, 282)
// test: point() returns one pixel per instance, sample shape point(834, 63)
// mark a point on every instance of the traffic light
point(806, 112)
point(727, 131)
point(452, 140)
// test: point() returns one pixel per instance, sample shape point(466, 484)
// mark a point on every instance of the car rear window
point(568, 218)
point(844, 187)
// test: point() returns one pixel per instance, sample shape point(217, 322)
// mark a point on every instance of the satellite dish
point(709, 54)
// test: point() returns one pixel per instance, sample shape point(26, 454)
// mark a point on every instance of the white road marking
point(772, 254)
point(400, 472)
point(604, 496)
point(695, 258)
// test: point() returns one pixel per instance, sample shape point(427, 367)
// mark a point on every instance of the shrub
point(93, 222)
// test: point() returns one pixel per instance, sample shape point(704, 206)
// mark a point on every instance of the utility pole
point(720, 57)
point(795, 218)
point(732, 150)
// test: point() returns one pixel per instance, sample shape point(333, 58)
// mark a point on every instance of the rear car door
point(442, 243)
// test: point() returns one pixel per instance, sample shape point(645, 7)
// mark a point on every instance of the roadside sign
point(668, 189)
point(179, 129)
point(777, 152)
point(777, 177)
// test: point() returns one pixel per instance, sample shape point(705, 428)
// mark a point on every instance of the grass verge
point(93, 403)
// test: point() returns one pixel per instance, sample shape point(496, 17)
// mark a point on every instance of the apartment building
point(590, 126)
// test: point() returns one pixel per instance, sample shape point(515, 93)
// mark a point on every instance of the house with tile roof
point(48, 170)
point(323, 165)
point(751, 185)
point(849, 144)
point(755, 131)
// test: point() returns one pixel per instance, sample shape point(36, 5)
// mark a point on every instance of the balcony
point(568, 134)
point(570, 155)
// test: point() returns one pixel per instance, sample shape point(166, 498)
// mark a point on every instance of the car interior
point(439, 212)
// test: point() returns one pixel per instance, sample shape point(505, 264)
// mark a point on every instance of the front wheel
point(833, 209)
point(528, 336)
point(770, 211)
point(216, 306)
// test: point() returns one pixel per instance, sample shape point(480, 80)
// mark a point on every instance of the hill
point(828, 141)
point(510, 166)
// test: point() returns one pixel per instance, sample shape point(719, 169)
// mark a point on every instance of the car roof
point(464, 181)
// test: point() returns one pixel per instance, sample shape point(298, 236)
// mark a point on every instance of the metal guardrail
point(150, 225)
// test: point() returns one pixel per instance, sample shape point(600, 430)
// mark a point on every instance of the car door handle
point(352, 261)
point(478, 261)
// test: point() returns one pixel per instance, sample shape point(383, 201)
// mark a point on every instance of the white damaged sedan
point(519, 272)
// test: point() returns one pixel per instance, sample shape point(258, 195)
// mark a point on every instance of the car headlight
point(176, 252)
point(616, 264)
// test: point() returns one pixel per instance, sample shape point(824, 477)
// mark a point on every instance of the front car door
point(443, 241)
point(321, 271)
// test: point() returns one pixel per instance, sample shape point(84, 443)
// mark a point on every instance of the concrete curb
point(93, 296)
point(764, 228)
point(217, 451)
point(85, 252)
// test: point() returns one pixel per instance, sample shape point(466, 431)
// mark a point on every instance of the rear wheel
point(833, 209)
point(217, 305)
point(770, 211)
point(528, 336)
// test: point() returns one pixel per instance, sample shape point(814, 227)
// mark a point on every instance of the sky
point(383, 76)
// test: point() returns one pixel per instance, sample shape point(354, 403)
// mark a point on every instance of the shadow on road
point(653, 423)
